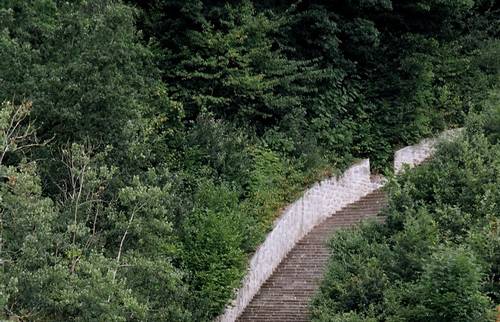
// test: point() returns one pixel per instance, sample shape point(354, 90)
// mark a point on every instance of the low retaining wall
point(415, 154)
point(319, 202)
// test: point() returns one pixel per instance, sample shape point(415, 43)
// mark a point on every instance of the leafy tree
point(82, 64)
point(449, 288)
point(213, 255)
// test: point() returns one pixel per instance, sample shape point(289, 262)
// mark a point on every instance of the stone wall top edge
point(289, 225)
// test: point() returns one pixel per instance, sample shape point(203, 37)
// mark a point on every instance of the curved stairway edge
point(318, 203)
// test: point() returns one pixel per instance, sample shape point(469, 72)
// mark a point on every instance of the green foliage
point(63, 261)
point(436, 257)
point(147, 146)
point(232, 69)
point(219, 147)
point(491, 116)
point(449, 288)
point(269, 183)
point(82, 64)
point(212, 238)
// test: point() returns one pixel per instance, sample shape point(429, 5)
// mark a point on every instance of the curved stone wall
point(415, 154)
point(319, 202)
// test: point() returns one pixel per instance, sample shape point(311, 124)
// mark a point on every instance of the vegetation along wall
point(319, 202)
point(147, 147)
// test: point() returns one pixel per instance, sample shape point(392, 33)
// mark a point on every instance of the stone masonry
point(284, 271)
point(285, 296)
point(415, 154)
point(317, 203)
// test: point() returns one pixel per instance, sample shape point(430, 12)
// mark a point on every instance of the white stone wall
point(320, 201)
point(415, 154)
point(317, 203)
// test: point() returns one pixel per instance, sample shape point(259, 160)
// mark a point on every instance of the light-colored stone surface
point(319, 202)
point(415, 154)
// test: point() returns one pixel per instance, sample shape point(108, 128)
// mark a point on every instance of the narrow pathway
point(285, 296)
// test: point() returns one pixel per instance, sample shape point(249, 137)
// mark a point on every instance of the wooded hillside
point(147, 146)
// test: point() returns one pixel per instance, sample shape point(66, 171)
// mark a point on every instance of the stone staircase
point(285, 296)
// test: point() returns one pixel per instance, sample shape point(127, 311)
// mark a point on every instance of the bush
point(436, 257)
point(212, 238)
point(450, 287)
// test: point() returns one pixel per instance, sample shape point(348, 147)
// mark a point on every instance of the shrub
point(436, 257)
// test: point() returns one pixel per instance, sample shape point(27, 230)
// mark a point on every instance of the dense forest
point(147, 146)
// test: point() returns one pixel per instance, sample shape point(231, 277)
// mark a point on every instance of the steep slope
point(286, 294)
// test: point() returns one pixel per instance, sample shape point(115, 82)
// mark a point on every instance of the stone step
point(286, 295)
